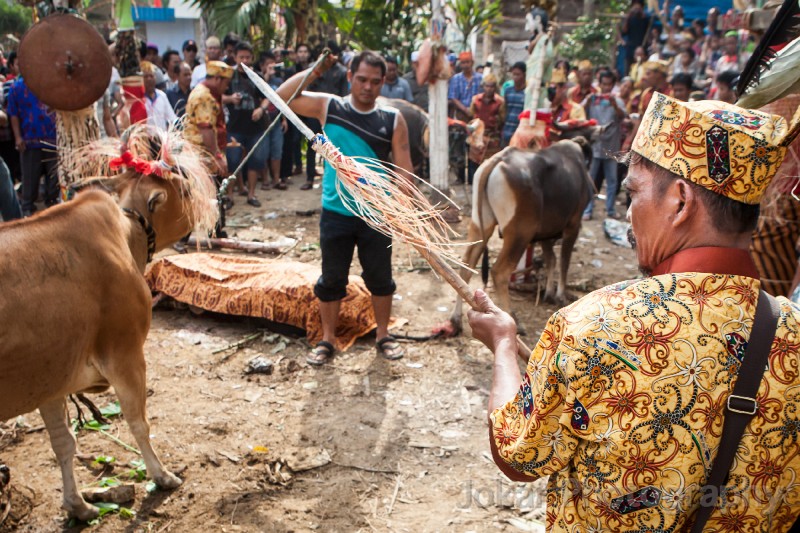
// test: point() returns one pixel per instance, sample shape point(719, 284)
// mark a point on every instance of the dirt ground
point(405, 442)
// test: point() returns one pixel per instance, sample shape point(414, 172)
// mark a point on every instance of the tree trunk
point(301, 12)
point(588, 9)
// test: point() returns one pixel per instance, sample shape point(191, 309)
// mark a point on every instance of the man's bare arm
point(108, 121)
point(401, 151)
point(313, 105)
point(209, 137)
point(498, 331)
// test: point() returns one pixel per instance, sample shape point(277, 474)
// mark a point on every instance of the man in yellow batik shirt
point(624, 396)
point(205, 118)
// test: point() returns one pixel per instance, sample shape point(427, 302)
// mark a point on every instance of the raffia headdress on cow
point(147, 150)
point(721, 147)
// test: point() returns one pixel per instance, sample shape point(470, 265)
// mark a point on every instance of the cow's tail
point(481, 186)
point(485, 266)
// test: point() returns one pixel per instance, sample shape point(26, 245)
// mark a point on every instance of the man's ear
point(683, 201)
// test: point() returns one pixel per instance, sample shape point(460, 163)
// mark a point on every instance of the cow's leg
point(514, 246)
point(549, 258)
point(568, 239)
point(477, 237)
point(128, 380)
point(54, 414)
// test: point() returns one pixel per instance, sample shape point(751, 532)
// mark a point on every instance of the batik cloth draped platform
point(721, 147)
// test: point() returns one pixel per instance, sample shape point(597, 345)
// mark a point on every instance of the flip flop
point(321, 353)
point(389, 348)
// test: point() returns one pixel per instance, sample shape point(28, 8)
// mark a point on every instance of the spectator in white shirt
point(213, 53)
point(159, 110)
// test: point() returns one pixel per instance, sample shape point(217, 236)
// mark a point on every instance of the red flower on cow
point(138, 165)
point(124, 160)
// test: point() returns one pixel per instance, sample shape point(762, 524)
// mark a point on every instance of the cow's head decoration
point(156, 173)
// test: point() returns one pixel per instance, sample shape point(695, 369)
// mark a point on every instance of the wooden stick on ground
point(275, 247)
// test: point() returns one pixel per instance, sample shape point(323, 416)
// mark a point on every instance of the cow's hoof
point(82, 511)
point(456, 328)
point(550, 298)
point(446, 329)
point(168, 481)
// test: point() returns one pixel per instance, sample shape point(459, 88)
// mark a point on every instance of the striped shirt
point(463, 90)
point(515, 100)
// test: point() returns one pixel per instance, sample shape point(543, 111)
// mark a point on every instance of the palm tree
point(474, 16)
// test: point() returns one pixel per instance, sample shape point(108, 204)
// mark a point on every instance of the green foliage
point(111, 410)
point(139, 470)
point(390, 26)
point(250, 18)
point(111, 508)
point(595, 40)
point(592, 40)
point(14, 18)
point(474, 16)
point(104, 460)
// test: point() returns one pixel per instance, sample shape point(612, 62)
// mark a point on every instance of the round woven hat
point(65, 62)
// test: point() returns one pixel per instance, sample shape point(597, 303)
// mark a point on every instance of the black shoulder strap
point(742, 404)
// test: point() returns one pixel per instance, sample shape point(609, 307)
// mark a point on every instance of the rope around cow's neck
point(147, 228)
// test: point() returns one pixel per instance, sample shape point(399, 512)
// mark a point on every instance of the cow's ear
point(157, 198)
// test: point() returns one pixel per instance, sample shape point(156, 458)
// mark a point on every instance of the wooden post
point(437, 109)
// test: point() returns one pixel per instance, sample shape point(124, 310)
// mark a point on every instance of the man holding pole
point(667, 402)
point(358, 127)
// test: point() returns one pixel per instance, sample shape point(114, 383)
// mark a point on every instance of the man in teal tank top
point(358, 127)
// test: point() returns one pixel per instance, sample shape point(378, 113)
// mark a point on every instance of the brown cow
point(76, 310)
point(533, 197)
point(417, 121)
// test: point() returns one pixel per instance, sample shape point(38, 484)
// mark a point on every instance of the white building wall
point(171, 35)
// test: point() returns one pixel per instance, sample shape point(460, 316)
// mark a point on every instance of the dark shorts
point(235, 154)
point(339, 235)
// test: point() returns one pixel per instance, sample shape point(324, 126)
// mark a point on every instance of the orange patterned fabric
point(280, 291)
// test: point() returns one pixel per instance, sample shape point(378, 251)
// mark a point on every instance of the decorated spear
point(378, 196)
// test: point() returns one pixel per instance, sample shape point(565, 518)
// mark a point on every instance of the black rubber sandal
point(389, 348)
point(321, 353)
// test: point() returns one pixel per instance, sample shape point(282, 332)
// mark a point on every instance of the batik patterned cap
point(724, 148)
point(219, 68)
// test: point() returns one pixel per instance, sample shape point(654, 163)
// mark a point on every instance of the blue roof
point(153, 14)
point(698, 9)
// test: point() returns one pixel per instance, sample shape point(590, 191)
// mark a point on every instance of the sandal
point(306, 186)
point(281, 186)
point(266, 186)
point(320, 354)
point(389, 348)
point(227, 203)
